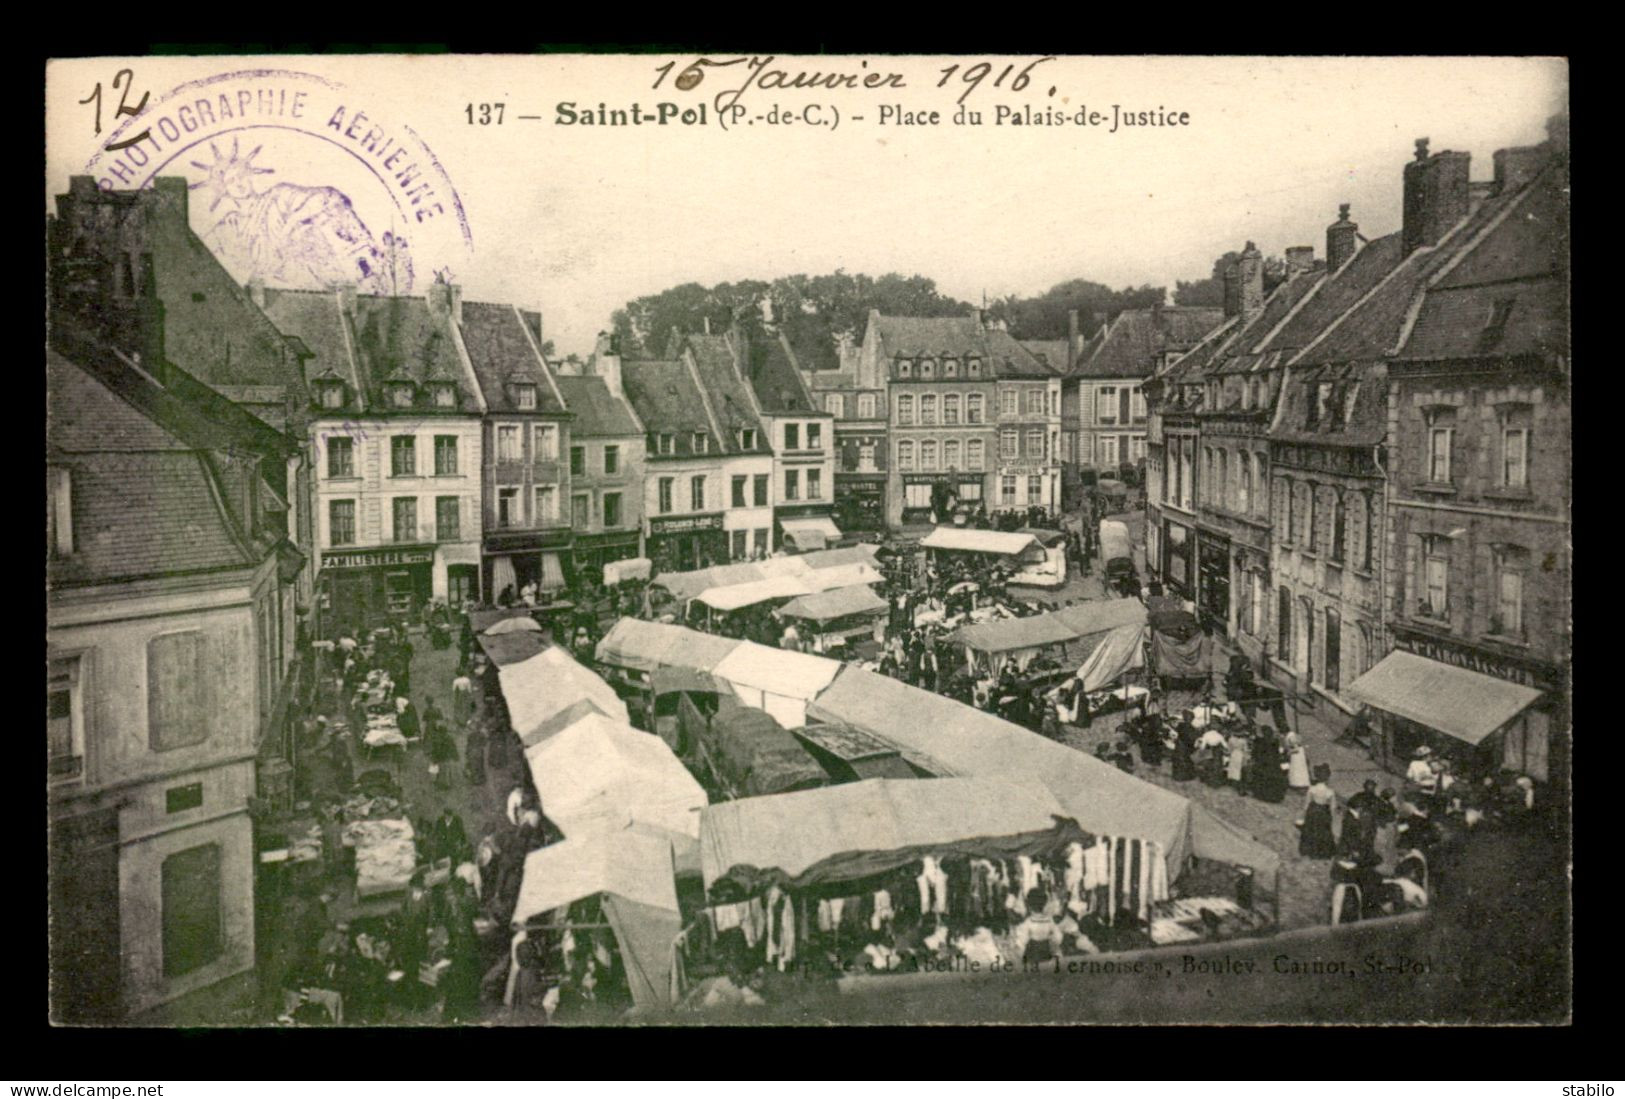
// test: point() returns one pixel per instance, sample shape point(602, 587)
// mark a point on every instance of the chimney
point(533, 321)
point(606, 362)
point(1515, 167)
point(1299, 258)
point(1342, 238)
point(767, 312)
point(1244, 285)
point(1436, 196)
point(1073, 343)
point(446, 300)
point(975, 314)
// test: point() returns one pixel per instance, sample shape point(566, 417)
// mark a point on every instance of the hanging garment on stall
point(830, 911)
point(770, 912)
point(882, 913)
point(787, 934)
point(984, 877)
point(1136, 876)
point(1073, 879)
point(933, 884)
point(979, 947)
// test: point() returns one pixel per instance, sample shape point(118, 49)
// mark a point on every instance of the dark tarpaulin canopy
point(1180, 659)
point(1047, 845)
point(1169, 616)
point(665, 680)
point(759, 755)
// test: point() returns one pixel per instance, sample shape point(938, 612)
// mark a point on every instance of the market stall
point(632, 568)
point(736, 597)
point(744, 752)
point(851, 755)
point(835, 616)
point(629, 877)
point(989, 646)
point(1051, 572)
point(810, 533)
point(776, 680)
point(540, 687)
point(1017, 550)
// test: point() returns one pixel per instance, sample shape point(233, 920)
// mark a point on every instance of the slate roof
point(1360, 424)
point(667, 400)
point(599, 414)
point(775, 376)
point(936, 336)
point(1011, 360)
point(316, 319)
point(730, 401)
point(1236, 358)
point(1051, 353)
point(500, 349)
point(397, 337)
point(1133, 342)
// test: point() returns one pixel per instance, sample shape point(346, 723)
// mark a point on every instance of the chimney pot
point(1437, 196)
point(1342, 237)
point(1421, 148)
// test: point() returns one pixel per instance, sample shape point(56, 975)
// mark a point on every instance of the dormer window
point(1320, 405)
point(747, 439)
point(524, 397)
point(928, 368)
point(701, 442)
point(330, 393)
point(444, 394)
point(950, 368)
point(400, 394)
point(973, 368)
point(905, 368)
point(668, 443)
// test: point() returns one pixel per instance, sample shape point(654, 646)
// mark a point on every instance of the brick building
point(854, 395)
point(607, 461)
point(1027, 414)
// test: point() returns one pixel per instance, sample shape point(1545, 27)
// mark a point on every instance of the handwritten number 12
point(124, 108)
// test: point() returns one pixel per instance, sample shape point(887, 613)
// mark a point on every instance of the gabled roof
point(723, 385)
point(396, 334)
point(599, 414)
point(1132, 344)
point(1236, 357)
point(1359, 401)
point(668, 401)
point(1011, 360)
point(502, 353)
point(915, 336)
point(773, 368)
point(1053, 354)
point(316, 319)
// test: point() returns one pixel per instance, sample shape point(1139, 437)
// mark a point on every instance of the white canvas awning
point(537, 689)
point(601, 773)
point(734, 597)
point(633, 568)
point(1004, 543)
point(811, 533)
point(1460, 703)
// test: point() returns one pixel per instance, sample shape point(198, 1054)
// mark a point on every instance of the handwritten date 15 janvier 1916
point(761, 74)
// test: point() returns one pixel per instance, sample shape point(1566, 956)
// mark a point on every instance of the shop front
point(593, 551)
point(363, 589)
point(860, 501)
point(1178, 572)
point(1498, 712)
point(803, 528)
point(513, 561)
point(933, 497)
point(686, 542)
point(1213, 579)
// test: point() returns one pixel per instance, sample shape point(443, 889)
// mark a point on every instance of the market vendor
point(1037, 938)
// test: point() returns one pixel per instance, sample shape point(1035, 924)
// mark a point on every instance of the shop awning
point(1004, 543)
point(633, 568)
point(836, 603)
point(1460, 703)
point(777, 671)
point(737, 596)
point(645, 646)
point(811, 533)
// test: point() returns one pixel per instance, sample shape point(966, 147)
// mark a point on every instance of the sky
point(576, 220)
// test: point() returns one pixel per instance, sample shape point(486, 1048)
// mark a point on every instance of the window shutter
point(175, 711)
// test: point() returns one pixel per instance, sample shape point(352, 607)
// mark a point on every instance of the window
point(547, 507)
point(1507, 620)
point(447, 516)
point(1435, 601)
point(581, 511)
point(905, 455)
point(508, 447)
point(815, 484)
point(1333, 673)
point(792, 484)
point(747, 439)
point(401, 395)
point(525, 397)
point(612, 460)
point(1314, 526)
point(508, 508)
point(792, 436)
point(740, 547)
point(1244, 472)
point(1139, 405)
point(664, 505)
point(973, 454)
point(1368, 541)
point(950, 368)
point(667, 443)
point(1007, 402)
point(866, 406)
point(1288, 507)
point(973, 368)
point(1441, 438)
point(332, 394)
point(1035, 490)
point(405, 513)
point(739, 484)
point(1320, 404)
point(815, 436)
point(1283, 625)
point(760, 486)
point(696, 493)
point(546, 443)
point(905, 410)
point(759, 541)
point(701, 442)
point(190, 899)
point(1034, 404)
point(1007, 489)
point(928, 368)
point(445, 396)
point(403, 456)
point(1259, 604)
point(1340, 525)
point(928, 455)
point(1106, 404)
point(835, 405)
point(928, 410)
point(64, 720)
point(970, 490)
point(916, 496)
point(1035, 442)
point(950, 409)
point(1108, 451)
point(578, 461)
point(341, 522)
point(1009, 444)
point(973, 409)
point(1207, 475)
point(866, 457)
point(176, 713)
point(950, 454)
point(905, 368)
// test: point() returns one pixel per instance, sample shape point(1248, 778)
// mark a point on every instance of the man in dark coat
point(407, 720)
point(450, 840)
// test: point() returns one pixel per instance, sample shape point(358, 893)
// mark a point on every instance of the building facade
point(854, 396)
point(748, 514)
point(397, 441)
point(1027, 401)
point(607, 461)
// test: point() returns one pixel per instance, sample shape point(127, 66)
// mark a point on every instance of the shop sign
point(1475, 660)
point(520, 543)
point(595, 541)
point(862, 488)
point(366, 559)
point(685, 524)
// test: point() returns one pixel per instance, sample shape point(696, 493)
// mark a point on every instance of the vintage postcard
point(763, 539)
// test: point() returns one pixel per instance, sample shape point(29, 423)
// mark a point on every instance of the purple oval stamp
point(295, 182)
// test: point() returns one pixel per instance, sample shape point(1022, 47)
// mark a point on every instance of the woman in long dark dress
point(1185, 752)
point(1269, 774)
point(1316, 840)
